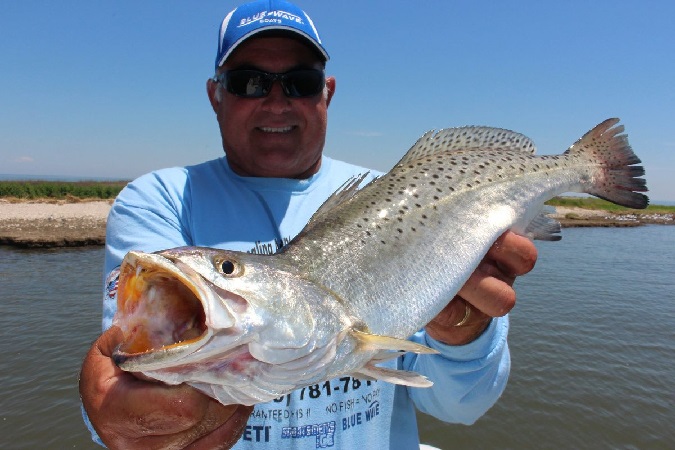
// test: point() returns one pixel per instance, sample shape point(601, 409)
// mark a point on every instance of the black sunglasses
point(251, 83)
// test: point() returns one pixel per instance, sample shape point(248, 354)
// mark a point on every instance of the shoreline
point(42, 224)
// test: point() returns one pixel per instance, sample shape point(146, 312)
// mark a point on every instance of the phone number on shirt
point(344, 384)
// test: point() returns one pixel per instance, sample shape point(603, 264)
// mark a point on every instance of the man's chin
point(276, 164)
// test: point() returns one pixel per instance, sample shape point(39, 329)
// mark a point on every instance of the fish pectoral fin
point(543, 227)
point(403, 377)
point(369, 341)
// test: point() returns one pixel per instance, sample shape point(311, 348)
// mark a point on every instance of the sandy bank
point(62, 224)
point(59, 224)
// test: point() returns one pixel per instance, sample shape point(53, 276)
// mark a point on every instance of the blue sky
point(117, 88)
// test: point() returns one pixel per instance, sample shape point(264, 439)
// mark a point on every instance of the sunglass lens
point(256, 84)
point(247, 83)
point(303, 83)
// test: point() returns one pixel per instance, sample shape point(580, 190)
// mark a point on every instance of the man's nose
point(276, 101)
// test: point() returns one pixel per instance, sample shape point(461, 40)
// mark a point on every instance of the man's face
point(274, 136)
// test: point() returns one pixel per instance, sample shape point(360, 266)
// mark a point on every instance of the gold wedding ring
point(467, 313)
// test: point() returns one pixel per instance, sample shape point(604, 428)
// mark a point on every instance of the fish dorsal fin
point(344, 193)
point(468, 139)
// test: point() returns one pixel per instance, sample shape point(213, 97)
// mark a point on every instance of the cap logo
point(270, 17)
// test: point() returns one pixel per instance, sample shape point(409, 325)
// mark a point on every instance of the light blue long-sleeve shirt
point(209, 205)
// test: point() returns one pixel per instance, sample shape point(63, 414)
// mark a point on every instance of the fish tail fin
point(617, 178)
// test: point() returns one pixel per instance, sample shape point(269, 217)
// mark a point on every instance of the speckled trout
point(373, 266)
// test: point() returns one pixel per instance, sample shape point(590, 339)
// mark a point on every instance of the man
point(256, 198)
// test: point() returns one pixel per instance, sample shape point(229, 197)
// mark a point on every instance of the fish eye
point(228, 267)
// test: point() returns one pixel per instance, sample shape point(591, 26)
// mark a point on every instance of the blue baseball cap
point(265, 15)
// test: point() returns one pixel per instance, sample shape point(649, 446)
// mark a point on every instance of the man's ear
point(330, 87)
point(211, 88)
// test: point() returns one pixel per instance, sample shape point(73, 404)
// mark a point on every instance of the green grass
point(104, 190)
point(58, 190)
point(596, 203)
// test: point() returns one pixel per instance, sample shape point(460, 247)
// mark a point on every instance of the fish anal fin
point(369, 341)
point(403, 377)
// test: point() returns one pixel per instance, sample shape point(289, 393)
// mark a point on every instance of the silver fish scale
point(409, 223)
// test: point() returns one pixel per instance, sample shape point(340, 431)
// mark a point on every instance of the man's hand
point(488, 293)
point(130, 413)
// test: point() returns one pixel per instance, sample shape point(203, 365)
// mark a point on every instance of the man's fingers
point(489, 288)
point(155, 407)
point(487, 293)
point(514, 254)
point(233, 420)
point(459, 312)
point(128, 412)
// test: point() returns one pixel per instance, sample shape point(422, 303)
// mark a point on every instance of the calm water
point(592, 342)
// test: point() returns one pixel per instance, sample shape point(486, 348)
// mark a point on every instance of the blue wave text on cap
point(264, 15)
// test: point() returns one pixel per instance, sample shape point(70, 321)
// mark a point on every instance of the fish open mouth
point(158, 307)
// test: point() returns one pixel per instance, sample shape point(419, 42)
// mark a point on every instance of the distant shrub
point(604, 205)
point(32, 190)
